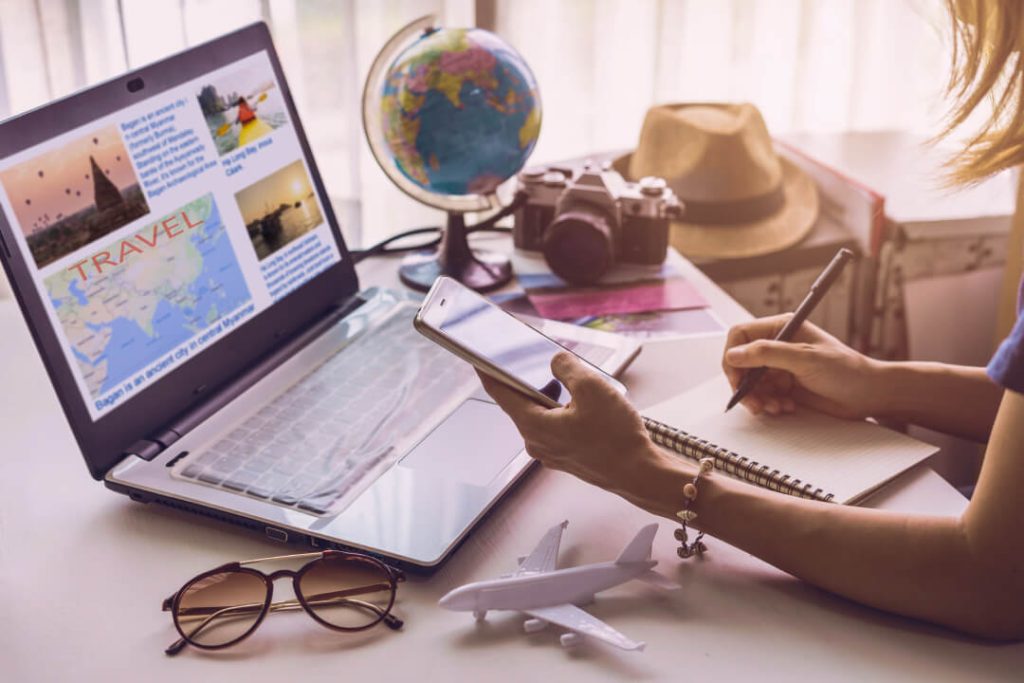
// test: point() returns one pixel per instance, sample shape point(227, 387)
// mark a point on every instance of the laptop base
point(292, 537)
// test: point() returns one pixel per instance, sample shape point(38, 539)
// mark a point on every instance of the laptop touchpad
point(472, 445)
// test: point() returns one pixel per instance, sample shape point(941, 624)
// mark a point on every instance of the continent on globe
point(460, 110)
point(140, 302)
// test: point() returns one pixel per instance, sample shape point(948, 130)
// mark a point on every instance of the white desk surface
point(83, 572)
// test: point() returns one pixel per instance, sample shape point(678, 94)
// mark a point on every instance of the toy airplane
point(550, 595)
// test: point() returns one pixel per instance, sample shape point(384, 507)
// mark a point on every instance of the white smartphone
point(496, 342)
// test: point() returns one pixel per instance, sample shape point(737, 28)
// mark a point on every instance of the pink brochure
point(666, 295)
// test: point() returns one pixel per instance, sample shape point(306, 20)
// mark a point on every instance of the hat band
point(733, 211)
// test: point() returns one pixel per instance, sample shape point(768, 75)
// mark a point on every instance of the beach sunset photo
point(279, 208)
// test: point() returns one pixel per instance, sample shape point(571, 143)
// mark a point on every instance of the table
point(83, 572)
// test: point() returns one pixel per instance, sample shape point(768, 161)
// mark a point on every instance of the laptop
point(170, 243)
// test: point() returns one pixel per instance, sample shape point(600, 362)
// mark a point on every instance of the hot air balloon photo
point(69, 196)
point(241, 108)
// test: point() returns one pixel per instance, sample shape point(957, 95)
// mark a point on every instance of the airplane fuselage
point(574, 585)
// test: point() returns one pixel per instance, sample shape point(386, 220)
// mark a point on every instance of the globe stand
point(479, 270)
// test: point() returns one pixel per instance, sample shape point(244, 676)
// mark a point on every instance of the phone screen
point(512, 345)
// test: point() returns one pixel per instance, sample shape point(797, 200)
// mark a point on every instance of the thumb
point(769, 353)
point(574, 374)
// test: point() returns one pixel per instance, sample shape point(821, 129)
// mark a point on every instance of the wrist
point(882, 376)
point(656, 485)
point(658, 488)
point(898, 388)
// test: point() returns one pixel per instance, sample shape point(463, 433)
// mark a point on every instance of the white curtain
point(808, 64)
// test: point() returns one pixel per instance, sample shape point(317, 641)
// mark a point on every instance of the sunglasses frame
point(393, 574)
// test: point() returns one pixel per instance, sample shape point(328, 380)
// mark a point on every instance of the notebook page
point(844, 457)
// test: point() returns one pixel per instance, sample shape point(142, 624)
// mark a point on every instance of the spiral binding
point(727, 461)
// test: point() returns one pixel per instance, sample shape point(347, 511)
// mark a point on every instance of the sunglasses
point(340, 590)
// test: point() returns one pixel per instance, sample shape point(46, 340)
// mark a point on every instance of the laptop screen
point(154, 232)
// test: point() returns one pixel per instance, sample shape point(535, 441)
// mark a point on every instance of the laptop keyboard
point(315, 442)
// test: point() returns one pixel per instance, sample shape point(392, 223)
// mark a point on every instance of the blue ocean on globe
point(460, 111)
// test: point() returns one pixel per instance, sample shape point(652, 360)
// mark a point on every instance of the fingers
point(778, 405)
point(524, 411)
point(744, 333)
point(577, 377)
point(772, 404)
point(772, 395)
point(767, 329)
point(762, 328)
point(773, 354)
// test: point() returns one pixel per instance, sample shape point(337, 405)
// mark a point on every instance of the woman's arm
point(965, 573)
point(953, 399)
point(819, 371)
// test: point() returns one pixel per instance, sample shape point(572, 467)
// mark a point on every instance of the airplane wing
point(578, 621)
point(545, 555)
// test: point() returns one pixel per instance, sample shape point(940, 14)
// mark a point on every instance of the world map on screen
point(139, 298)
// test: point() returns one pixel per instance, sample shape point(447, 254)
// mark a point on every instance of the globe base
point(479, 270)
point(489, 271)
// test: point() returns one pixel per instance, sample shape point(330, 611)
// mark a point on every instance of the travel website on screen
point(159, 229)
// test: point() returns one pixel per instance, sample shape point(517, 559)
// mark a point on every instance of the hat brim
point(782, 229)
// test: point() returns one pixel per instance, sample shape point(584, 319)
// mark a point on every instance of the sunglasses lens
point(221, 608)
point(347, 592)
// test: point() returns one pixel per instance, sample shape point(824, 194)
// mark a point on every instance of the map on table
point(142, 296)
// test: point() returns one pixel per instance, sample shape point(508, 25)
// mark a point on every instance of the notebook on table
point(807, 453)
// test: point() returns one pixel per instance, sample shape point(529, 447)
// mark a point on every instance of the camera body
point(586, 219)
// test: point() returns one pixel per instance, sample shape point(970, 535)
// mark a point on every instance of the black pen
point(806, 307)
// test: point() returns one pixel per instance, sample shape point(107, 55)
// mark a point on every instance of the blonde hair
point(988, 36)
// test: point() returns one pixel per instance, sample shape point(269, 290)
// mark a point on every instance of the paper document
point(848, 458)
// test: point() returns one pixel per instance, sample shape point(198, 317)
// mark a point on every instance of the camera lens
point(578, 245)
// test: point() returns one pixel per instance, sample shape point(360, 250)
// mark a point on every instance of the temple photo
point(69, 196)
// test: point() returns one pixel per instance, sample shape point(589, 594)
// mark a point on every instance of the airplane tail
point(639, 549)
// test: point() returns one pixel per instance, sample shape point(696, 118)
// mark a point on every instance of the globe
point(460, 111)
point(450, 114)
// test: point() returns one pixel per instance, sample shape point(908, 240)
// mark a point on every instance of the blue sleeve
point(1007, 366)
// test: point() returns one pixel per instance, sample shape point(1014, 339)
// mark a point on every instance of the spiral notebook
point(806, 454)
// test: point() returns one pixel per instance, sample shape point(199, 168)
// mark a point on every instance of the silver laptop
point(170, 243)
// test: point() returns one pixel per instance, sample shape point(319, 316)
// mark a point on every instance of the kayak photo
point(241, 108)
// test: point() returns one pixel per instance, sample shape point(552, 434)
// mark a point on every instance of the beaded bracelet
point(687, 549)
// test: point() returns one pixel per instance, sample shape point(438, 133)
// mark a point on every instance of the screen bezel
point(103, 442)
point(430, 319)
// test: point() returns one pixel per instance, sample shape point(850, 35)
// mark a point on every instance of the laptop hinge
point(166, 438)
point(145, 449)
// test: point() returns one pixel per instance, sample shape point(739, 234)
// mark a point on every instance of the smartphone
point(495, 342)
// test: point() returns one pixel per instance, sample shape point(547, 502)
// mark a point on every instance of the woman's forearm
point(920, 567)
point(952, 399)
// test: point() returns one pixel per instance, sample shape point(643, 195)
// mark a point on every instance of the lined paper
point(848, 458)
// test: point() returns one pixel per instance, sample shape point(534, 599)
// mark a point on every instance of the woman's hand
point(814, 369)
point(597, 437)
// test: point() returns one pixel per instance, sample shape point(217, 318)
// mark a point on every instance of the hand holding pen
point(746, 363)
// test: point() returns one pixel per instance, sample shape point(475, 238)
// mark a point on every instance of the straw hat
point(739, 197)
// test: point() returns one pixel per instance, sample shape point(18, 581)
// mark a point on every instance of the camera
point(585, 219)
